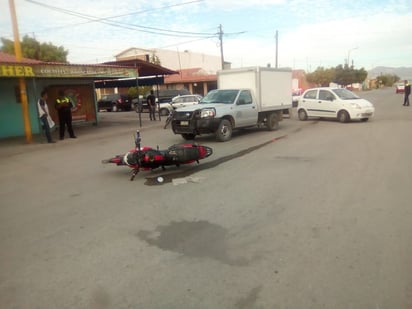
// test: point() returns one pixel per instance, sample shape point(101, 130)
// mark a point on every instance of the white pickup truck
point(245, 97)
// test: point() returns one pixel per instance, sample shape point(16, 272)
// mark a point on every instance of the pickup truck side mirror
point(241, 102)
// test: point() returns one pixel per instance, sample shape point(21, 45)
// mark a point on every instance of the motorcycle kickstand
point(134, 173)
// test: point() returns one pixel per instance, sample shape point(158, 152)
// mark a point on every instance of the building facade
point(77, 81)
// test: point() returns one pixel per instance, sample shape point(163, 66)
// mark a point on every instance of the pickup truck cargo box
point(271, 87)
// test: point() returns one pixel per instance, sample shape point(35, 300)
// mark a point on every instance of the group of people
point(64, 107)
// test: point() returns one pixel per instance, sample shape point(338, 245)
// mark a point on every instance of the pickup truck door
point(246, 112)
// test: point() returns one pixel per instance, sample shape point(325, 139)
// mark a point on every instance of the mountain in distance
point(402, 72)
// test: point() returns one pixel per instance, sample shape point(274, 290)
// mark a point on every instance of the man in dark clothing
point(407, 93)
point(64, 109)
point(151, 102)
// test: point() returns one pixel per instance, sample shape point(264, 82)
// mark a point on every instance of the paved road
point(317, 215)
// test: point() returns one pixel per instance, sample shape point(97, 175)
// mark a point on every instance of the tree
point(322, 77)
point(154, 59)
point(348, 75)
point(387, 79)
point(33, 49)
point(342, 75)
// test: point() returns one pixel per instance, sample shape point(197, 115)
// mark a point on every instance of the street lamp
point(349, 55)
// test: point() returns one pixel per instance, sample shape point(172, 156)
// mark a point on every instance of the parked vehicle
point(148, 158)
point(185, 100)
point(162, 96)
point(296, 93)
point(245, 97)
point(114, 102)
point(400, 87)
point(338, 103)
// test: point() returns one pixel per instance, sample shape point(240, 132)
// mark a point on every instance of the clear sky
point(310, 33)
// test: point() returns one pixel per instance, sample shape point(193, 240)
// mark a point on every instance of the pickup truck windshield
point(220, 96)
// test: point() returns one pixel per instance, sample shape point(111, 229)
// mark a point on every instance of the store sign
point(65, 71)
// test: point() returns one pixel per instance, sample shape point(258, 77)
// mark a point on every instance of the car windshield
point(345, 94)
point(220, 96)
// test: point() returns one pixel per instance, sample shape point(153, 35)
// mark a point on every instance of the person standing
point(407, 93)
point(64, 106)
point(43, 109)
point(151, 102)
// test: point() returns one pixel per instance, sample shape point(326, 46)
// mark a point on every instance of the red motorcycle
point(147, 158)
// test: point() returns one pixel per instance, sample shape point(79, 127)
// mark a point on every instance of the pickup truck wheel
point(188, 137)
point(224, 132)
point(302, 115)
point(272, 122)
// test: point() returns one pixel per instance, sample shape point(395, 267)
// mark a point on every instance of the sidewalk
point(108, 126)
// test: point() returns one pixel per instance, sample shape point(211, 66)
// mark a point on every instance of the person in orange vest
point(64, 107)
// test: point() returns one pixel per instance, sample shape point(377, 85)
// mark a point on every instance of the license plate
point(184, 123)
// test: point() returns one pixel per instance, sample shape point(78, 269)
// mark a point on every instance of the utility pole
point(277, 41)
point(22, 82)
point(348, 59)
point(221, 46)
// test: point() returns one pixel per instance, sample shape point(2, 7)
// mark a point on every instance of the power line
point(105, 20)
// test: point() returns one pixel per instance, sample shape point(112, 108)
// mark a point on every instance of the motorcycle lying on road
point(147, 158)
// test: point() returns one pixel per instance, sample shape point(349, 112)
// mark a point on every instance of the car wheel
point(272, 122)
point(114, 108)
point(188, 137)
point(164, 112)
point(343, 116)
point(302, 115)
point(224, 132)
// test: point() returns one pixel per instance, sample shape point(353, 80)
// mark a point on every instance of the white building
point(197, 71)
point(174, 60)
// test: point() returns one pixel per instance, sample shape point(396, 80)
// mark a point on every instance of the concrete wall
point(11, 114)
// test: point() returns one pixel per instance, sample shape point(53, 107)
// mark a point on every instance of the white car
point(185, 100)
point(338, 103)
point(400, 88)
point(296, 93)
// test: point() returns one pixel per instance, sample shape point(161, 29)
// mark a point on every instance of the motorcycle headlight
point(207, 113)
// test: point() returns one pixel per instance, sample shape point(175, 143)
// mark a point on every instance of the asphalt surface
point(314, 215)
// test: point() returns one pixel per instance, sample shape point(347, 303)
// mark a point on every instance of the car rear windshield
point(345, 94)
